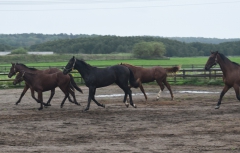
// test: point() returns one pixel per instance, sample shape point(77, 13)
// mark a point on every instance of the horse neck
point(22, 68)
point(225, 65)
point(29, 78)
point(83, 68)
point(134, 69)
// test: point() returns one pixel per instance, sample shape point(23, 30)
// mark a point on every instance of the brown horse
point(41, 82)
point(17, 67)
point(231, 73)
point(145, 75)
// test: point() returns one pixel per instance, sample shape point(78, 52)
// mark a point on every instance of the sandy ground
point(188, 124)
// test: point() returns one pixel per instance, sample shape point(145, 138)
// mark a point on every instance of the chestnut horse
point(41, 82)
point(157, 73)
point(17, 67)
point(231, 73)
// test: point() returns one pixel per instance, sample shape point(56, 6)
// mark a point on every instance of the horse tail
point(173, 69)
point(134, 83)
point(73, 83)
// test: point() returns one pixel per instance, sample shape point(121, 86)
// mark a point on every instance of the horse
point(101, 77)
point(17, 67)
point(145, 75)
point(41, 82)
point(231, 73)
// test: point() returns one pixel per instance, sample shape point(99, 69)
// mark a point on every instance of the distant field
point(172, 61)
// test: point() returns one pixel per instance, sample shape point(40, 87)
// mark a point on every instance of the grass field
point(140, 62)
point(110, 59)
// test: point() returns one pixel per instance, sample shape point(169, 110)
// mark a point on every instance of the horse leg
point(168, 87)
point(225, 89)
point(236, 88)
point(51, 96)
point(141, 88)
point(125, 100)
point(93, 98)
point(69, 98)
point(74, 97)
point(37, 100)
point(130, 97)
point(90, 95)
point(22, 94)
point(40, 99)
point(64, 99)
point(161, 88)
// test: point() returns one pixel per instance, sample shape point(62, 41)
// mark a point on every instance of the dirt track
point(188, 124)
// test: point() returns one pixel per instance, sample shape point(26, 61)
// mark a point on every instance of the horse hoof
point(40, 108)
point(77, 103)
point(85, 110)
point(135, 106)
point(126, 104)
point(103, 105)
point(217, 107)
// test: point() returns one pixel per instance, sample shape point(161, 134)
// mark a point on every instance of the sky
point(164, 18)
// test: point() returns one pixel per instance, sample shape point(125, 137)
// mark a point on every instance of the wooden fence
point(180, 76)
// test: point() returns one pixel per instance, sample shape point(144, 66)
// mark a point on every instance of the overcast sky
point(167, 18)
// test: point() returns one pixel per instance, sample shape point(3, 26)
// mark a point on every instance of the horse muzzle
point(207, 68)
point(65, 71)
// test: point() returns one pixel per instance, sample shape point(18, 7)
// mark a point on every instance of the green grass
point(140, 62)
point(108, 60)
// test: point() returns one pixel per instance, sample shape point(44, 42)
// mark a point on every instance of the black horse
point(100, 77)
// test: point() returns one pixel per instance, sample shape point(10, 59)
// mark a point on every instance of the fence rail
point(180, 76)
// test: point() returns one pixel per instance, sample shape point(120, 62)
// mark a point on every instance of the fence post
point(210, 75)
point(183, 74)
point(215, 73)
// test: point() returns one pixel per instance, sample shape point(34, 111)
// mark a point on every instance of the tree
point(149, 50)
point(19, 50)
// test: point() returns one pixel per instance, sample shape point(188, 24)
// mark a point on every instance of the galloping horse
point(100, 77)
point(17, 67)
point(145, 75)
point(231, 73)
point(41, 82)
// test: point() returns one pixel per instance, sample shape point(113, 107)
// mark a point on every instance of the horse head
point(212, 60)
point(70, 65)
point(12, 70)
point(18, 78)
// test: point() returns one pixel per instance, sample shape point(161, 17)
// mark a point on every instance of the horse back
point(47, 82)
point(148, 74)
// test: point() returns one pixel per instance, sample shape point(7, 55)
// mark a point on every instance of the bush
point(20, 50)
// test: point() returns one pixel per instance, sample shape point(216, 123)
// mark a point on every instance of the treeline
point(28, 39)
point(115, 44)
point(203, 40)
point(95, 44)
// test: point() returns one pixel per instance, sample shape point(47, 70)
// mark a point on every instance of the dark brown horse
point(17, 67)
point(231, 73)
point(101, 77)
point(145, 75)
point(41, 82)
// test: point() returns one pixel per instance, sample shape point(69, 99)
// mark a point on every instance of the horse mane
point(26, 66)
point(223, 57)
point(126, 64)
